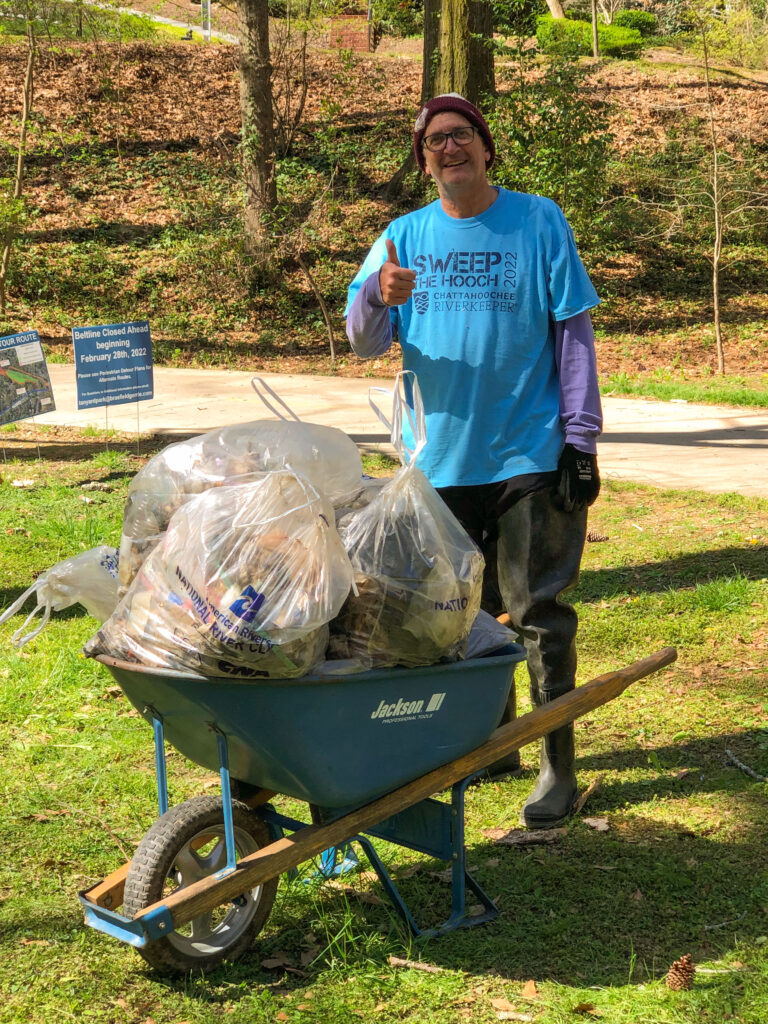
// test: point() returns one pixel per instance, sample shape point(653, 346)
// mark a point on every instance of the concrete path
point(665, 444)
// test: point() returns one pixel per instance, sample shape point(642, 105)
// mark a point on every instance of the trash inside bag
point(244, 582)
point(89, 579)
point(325, 456)
point(418, 574)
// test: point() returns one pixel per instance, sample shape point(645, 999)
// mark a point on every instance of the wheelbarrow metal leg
point(226, 803)
point(161, 771)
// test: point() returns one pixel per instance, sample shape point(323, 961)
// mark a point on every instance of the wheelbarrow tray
point(337, 741)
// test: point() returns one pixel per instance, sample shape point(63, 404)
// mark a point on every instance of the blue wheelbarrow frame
point(366, 751)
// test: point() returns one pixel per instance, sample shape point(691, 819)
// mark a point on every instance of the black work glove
point(579, 482)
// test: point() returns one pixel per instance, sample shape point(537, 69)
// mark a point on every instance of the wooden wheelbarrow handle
point(193, 900)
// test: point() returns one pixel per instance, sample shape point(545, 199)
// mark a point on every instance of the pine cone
point(681, 973)
point(595, 538)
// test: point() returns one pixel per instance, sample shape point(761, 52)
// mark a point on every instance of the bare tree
point(608, 9)
point(290, 72)
point(256, 111)
point(718, 185)
point(14, 211)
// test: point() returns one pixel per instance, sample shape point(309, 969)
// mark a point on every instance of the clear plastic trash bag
point(244, 582)
point(325, 456)
point(89, 579)
point(418, 574)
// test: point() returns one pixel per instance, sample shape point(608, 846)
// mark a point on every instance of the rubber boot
point(553, 797)
point(509, 766)
point(539, 552)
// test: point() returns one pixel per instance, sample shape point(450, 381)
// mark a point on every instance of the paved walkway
point(665, 444)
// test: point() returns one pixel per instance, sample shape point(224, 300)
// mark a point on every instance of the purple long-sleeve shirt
point(369, 329)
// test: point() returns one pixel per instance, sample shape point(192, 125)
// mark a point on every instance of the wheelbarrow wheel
point(183, 846)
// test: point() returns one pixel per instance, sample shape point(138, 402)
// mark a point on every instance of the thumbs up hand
point(396, 282)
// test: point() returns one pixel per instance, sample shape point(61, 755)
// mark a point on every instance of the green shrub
point(517, 18)
point(553, 140)
point(399, 17)
point(619, 42)
point(647, 24)
point(562, 37)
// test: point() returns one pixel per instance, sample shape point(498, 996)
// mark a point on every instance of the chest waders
point(539, 551)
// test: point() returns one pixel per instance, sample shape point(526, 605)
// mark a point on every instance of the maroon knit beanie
point(450, 101)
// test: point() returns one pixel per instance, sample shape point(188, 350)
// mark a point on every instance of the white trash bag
point(89, 579)
point(418, 574)
point(327, 457)
point(244, 583)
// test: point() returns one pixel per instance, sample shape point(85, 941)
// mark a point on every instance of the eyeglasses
point(439, 140)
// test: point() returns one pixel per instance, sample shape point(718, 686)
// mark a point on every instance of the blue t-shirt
point(478, 332)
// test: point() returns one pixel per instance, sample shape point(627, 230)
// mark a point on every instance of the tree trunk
point(555, 8)
point(431, 48)
point(258, 143)
point(595, 43)
point(717, 204)
point(18, 184)
point(466, 54)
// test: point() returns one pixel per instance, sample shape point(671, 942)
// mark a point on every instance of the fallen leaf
point(308, 955)
point(282, 1016)
point(379, 1007)
point(492, 862)
point(442, 876)
point(501, 1004)
point(303, 1006)
point(529, 990)
point(416, 965)
point(522, 837)
point(47, 815)
point(278, 960)
point(513, 1015)
point(637, 896)
point(476, 910)
point(34, 942)
point(598, 824)
point(22, 483)
point(589, 1008)
point(604, 867)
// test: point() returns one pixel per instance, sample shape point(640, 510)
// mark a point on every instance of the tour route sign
point(25, 387)
point(113, 364)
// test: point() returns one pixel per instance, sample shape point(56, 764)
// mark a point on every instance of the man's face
point(456, 168)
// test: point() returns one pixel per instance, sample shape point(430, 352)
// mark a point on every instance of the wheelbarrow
point(366, 752)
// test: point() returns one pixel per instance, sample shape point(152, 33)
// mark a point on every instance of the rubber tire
point(153, 864)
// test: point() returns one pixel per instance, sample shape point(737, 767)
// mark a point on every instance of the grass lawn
point(589, 924)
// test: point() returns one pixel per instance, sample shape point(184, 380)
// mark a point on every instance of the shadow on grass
point(79, 448)
point(669, 574)
point(592, 908)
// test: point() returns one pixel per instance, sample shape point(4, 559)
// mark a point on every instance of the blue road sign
point(113, 364)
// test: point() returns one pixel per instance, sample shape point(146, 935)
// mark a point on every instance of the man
point(489, 299)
